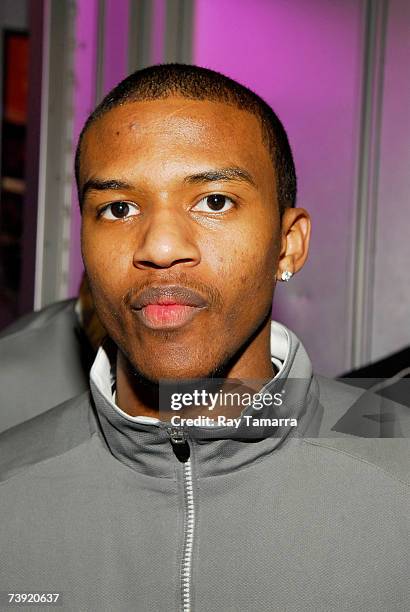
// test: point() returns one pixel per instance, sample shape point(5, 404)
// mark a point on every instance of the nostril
point(157, 266)
point(149, 264)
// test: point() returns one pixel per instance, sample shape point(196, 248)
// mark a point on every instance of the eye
point(119, 210)
point(215, 202)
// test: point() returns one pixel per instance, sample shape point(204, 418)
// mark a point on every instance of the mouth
point(167, 307)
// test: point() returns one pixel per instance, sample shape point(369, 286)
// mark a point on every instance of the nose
point(165, 240)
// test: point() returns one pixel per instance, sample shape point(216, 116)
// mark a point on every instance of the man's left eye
point(214, 203)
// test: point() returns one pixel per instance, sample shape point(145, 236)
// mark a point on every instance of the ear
point(295, 235)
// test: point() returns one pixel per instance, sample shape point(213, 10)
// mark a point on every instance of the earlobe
point(296, 227)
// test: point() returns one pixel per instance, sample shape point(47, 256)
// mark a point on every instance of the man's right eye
point(119, 210)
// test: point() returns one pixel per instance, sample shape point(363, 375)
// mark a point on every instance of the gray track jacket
point(103, 509)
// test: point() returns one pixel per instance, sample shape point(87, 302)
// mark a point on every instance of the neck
point(138, 396)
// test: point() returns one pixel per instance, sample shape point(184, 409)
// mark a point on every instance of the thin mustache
point(164, 293)
point(183, 284)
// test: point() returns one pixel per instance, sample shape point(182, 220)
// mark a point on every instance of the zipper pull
point(179, 443)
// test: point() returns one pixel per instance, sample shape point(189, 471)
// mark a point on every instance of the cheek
point(107, 264)
point(245, 260)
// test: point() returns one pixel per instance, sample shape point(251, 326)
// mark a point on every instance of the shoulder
point(38, 320)
point(364, 426)
point(44, 361)
point(49, 434)
point(360, 412)
point(337, 394)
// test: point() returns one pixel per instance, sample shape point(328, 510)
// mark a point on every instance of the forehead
point(174, 130)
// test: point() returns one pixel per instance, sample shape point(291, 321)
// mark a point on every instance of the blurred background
point(335, 71)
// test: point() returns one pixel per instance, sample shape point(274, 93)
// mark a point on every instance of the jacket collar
point(143, 443)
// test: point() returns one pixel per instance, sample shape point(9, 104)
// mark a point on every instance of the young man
point(187, 189)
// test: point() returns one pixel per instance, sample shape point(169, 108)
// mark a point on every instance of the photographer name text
point(223, 421)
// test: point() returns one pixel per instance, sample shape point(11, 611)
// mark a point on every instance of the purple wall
point(158, 31)
point(392, 287)
point(304, 59)
point(83, 103)
point(115, 60)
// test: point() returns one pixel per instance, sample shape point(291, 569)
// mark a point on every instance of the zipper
point(182, 451)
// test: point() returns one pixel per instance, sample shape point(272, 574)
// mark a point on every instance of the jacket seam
point(264, 457)
point(106, 449)
point(27, 468)
point(361, 459)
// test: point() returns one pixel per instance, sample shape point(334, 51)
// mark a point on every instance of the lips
point(167, 307)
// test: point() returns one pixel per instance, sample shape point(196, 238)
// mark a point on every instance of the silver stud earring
point(286, 275)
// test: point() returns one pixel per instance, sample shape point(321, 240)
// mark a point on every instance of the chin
point(171, 370)
point(183, 361)
point(174, 373)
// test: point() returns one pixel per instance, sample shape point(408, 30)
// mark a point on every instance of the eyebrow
point(100, 185)
point(233, 173)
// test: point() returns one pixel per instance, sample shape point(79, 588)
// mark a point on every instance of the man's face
point(180, 232)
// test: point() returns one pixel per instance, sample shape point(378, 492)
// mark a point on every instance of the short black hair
point(197, 83)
